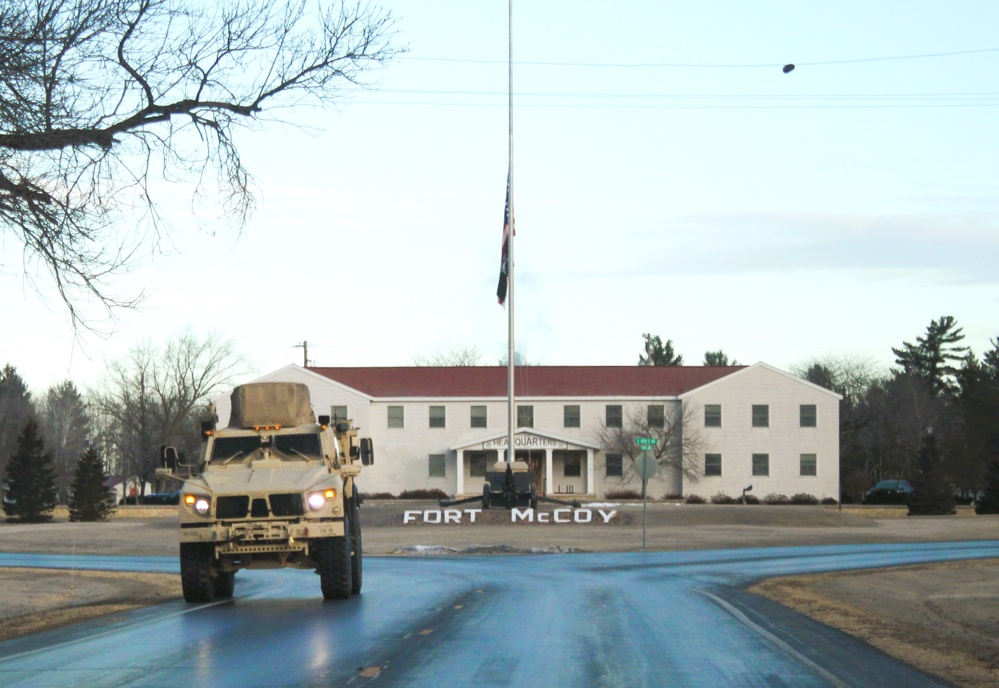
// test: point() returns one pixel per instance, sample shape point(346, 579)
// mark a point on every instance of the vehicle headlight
point(317, 500)
point(199, 503)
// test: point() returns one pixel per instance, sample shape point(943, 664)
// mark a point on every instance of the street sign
point(646, 465)
point(646, 441)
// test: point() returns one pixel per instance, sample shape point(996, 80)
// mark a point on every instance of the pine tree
point(29, 479)
point(932, 357)
point(89, 500)
point(931, 496)
point(659, 354)
point(988, 501)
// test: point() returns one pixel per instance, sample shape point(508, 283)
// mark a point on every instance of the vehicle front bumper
point(252, 537)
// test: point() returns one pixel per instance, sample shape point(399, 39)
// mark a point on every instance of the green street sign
point(646, 441)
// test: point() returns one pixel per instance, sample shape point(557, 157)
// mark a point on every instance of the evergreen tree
point(29, 481)
point(659, 354)
point(932, 356)
point(90, 500)
point(931, 496)
point(718, 358)
point(16, 408)
point(988, 501)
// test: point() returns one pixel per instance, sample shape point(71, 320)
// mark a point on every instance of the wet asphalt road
point(638, 619)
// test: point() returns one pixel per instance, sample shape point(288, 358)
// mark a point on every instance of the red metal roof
point(479, 382)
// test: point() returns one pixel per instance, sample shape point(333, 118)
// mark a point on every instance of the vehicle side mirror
point(168, 458)
point(367, 451)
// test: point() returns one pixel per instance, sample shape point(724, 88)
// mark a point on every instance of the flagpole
point(511, 409)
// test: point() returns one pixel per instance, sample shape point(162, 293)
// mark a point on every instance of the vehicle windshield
point(300, 446)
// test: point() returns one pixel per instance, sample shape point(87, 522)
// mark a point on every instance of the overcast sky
point(669, 178)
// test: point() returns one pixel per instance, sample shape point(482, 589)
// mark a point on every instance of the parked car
point(889, 492)
point(162, 498)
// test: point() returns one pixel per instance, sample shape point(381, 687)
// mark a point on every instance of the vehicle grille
point(287, 504)
point(232, 507)
point(239, 506)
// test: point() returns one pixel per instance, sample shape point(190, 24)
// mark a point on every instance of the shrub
point(673, 496)
point(722, 498)
point(803, 498)
point(624, 494)
point(424, 494)
point(752, 499)
point(694, 499)
point(829, 501)
point(776, 498)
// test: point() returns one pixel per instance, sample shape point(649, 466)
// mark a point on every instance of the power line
point(696, 65)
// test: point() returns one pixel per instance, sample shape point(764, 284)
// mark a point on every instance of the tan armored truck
point(274, 489)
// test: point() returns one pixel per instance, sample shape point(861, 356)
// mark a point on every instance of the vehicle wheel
point(225, 583)
point(534, 497)
point(357, 554)
point(485, 496)
point(334, 564)
point(196, 571)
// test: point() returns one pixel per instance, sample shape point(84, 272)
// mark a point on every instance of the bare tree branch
point(100, 99)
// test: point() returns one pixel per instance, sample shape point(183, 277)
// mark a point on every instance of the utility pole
point(305, 352)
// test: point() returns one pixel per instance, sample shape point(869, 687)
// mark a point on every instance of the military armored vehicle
point(274, 489)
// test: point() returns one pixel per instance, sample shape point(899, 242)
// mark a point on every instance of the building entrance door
point(535, 461)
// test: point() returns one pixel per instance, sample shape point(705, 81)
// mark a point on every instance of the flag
point(505, 255)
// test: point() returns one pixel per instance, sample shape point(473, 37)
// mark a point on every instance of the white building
point(443, 427)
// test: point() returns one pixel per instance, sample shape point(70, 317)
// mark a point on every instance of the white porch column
point(548, 472)
point(590, 472)
point(459, 484)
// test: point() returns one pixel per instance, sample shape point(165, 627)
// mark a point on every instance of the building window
point(437, 416)
point(572, 466)
point(338, 413)
point(761, 464)
point(477, 465)
point(478, 417)
point(395, 416)
point(712, 464)
point(437, 466)
point(761, 416)
point(570, 416)
point(525, 416)
point(613, 416)
point(808, 415)
point(809, 465)
point(712, 415)
point(615, 466)
point(657, 416)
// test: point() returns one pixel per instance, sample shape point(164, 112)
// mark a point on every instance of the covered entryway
point(559, 465)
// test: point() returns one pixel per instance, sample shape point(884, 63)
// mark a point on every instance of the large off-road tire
point(225, 583)
point(534, 497)
point(333, 564)
point(196, 571)
point(356, 552)
point(485, 496)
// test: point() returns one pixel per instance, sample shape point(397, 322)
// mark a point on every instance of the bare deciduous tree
point(66, 427)
point(679, 442)
point(459, 356)
point(103, 100)
point(152, 397)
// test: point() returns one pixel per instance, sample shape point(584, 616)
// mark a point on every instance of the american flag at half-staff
point(505, 256)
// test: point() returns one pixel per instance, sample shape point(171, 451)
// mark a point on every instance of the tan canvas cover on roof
point(271, 403)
